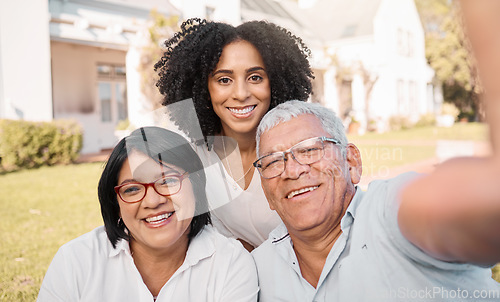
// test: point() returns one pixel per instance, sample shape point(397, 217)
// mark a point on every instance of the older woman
point(156, 243)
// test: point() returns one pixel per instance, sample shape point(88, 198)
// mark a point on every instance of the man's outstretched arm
point(453, 214)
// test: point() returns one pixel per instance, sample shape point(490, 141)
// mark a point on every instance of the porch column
point(358, 100)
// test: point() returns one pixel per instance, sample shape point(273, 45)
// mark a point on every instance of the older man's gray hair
point(286, 111)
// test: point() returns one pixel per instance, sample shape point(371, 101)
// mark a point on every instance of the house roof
point(274, 11)
point(163, 6)
point(131, 8)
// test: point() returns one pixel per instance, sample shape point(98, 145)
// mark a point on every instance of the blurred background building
point(81, 59)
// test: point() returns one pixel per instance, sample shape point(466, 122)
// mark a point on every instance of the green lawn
point(459, 131)
point(383, 151)
point(44, 208)
point(41, 210)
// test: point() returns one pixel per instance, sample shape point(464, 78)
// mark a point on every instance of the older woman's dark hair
point(193, 53)
point(164, 147)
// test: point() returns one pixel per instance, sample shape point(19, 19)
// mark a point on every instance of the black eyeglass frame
point(289, 150)
point(181, 177)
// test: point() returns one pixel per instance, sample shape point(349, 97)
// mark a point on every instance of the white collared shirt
point(88, 268)
point(370, 261)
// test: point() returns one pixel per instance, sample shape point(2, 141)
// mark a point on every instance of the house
point(368, 58)
point(77, 59)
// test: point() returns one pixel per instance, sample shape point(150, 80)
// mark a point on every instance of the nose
point(293, 169)
point(152, 199)
point(241, 90)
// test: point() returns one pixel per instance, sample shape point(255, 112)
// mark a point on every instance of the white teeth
point(159, 218)
point(241, 111)
point(294, 193)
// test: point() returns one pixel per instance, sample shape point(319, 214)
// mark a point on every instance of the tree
point(160, 29)
point(448, 53)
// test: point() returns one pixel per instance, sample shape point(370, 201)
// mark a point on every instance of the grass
point(459, 131)
point(383, 151)
point(47, 207)
point(41, 210)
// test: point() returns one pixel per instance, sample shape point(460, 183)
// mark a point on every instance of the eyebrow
point(157, 176)
point(228, 71)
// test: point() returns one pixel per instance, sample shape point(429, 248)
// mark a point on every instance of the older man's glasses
point(165, 186)
point(306, 152)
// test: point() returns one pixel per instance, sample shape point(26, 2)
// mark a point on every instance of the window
point(405, 43)
point(112, 92)
point(105, 100)
point(111, 71)
point(121, 100)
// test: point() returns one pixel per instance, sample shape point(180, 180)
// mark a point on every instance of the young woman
point(156, 243)
point(234, 75)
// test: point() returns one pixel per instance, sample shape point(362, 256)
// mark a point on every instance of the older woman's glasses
point(306, 152)
point(165, 186)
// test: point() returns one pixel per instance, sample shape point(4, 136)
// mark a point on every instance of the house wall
point(393, 58)
point(402, 87)
point(25, 81)
point(75, 90)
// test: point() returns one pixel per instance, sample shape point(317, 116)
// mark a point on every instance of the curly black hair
point(192, 54)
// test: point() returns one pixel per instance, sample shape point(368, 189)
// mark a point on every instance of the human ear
point(353, 159)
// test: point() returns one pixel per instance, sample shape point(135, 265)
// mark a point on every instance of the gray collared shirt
point(370, 261)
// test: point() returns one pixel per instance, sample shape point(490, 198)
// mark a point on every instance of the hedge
point(33, 144)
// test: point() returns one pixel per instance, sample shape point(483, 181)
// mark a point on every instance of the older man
point(411, 238)
point(404, 239)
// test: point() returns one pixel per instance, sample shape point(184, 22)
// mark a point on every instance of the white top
point(370, 261)
point(237, 213)
point(88, 268)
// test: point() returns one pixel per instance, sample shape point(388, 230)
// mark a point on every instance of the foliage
point(496, 272)
point(160, 28)
point(426, 120)
point(448, 53)
point(398, 122)
point(123, 125)
point(450, 109)
point(33, 144)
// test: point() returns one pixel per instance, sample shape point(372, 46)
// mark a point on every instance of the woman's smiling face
point(239, 88)
point(156, 222)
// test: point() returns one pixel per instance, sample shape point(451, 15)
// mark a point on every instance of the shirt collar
point(201, 246)
point(121, 246)
point(350, 214)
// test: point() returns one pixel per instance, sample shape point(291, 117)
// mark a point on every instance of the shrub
point(426, 120)
point(398, 122)
point(33, 144)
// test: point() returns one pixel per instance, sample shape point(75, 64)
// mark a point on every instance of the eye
point(224, 81)
point(256, 78)
point(270, 162)
point(131, 189)
point(168, 181)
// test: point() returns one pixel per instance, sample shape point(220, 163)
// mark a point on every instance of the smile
point(158, 219)
point(301, 191)
point(242, 111)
